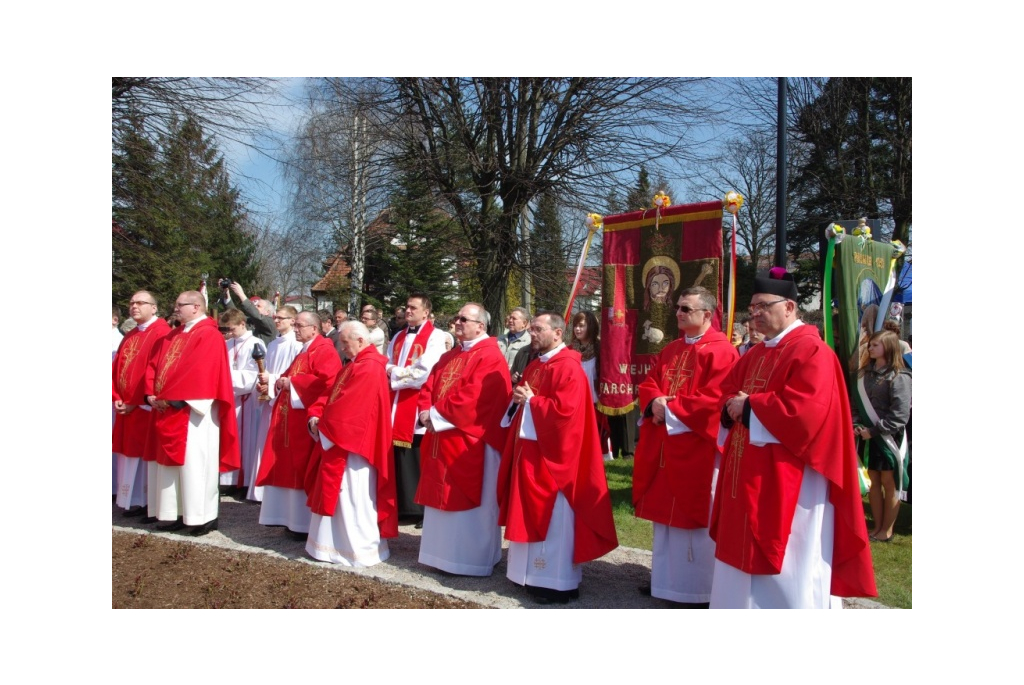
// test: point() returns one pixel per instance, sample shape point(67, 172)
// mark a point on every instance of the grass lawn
point(892, 559)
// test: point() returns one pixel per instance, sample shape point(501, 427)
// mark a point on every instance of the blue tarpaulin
point(904, 284)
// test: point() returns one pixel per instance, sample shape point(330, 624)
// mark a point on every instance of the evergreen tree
point(176, 215)
point(425, 251)
point(547, 257)
point(858, 138)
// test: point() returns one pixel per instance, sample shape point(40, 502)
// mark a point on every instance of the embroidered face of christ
point(659, 286)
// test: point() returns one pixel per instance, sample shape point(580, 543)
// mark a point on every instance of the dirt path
point(221, 566)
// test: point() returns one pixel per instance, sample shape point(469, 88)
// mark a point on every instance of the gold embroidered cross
point(177, 347)
point(129, 351)
point(452, 372)
point(681, 371)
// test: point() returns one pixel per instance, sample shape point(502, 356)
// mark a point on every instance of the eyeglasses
point(305, 325)
point(179, 305)
point(224, 329)
point(462, 319)
point(283, 318)
point(759, 307)
point(141, 302)
point(686, 310)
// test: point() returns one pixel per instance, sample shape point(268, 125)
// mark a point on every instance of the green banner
point(863, 291)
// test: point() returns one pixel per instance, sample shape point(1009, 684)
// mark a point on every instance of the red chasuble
point(191, 366)
point(796, 391)
point(408, 398)
point(672, 473)
point(289, 444)
point(470, 390)
point(132, 429)
point(565, 457)
point(356, 416)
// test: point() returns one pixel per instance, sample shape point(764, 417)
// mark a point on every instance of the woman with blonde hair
point(884, 393)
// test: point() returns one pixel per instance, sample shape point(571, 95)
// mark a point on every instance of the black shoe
point(202, 528)
point(644, 590)
point(419, 525)
point(544, 595)
point(134, 511)
point(295, 535)
point(148, 520)
point(171, 526)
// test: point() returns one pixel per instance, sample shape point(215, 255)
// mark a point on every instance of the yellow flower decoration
point(594, 221)
point(662, 200)
point(732, 202)
point(863, 230)
point(835, 231)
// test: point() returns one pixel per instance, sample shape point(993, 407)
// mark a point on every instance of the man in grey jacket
point(517, 337)
point(258, 312)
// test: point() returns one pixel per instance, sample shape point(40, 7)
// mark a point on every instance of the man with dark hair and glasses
point(194, 433)
point(788, 520)
point(677, 457)
point(462, 407)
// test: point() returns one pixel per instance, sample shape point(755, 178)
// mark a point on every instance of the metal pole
point(781, 180)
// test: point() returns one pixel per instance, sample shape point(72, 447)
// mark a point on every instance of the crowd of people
point(342, 430)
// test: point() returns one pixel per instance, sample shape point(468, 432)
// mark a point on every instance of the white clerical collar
point(144, 326)
point(690, 341)
point(305, 345)
point(777, 339)
point(188, 327)
point(290, 335)
point(546, 357)
point(468, 344)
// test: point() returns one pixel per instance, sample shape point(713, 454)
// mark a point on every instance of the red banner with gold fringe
point(648, 257)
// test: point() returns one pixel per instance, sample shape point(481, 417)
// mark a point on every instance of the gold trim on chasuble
point(755, 382)
point(129, 351)
point(170, 361)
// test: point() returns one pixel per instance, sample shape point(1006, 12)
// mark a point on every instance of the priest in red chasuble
point(788, 520)
point(464, 400)
point(194, 434)
point(351, 475)
point(677, 457)
point(552, 491)
point(286, 452)
point(132, 420)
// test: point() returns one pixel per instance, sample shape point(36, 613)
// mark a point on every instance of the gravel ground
point(610, 582)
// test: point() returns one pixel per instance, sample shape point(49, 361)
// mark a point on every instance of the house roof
point(338, 268)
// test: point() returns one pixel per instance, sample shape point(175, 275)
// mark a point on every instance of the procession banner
point(648, 257)
point(863, 289)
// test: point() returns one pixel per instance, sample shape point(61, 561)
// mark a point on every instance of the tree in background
point(425, 251)
point(175, 214)
point(491, 146)
point(857, 135)
point(548, 263)
point(338, 179)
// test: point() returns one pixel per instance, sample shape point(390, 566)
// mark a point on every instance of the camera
point(225, 283)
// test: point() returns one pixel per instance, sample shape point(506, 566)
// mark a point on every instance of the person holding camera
point(258, 312)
